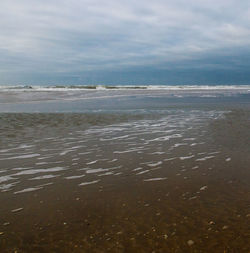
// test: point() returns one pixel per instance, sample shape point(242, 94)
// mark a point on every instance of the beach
point(125, 170)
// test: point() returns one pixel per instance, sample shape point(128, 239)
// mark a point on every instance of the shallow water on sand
point(156, 180)
point(79, 153)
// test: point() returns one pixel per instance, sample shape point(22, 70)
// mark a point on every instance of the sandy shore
point(125, 183)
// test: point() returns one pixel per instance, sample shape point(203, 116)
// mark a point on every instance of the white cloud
point(80, 35)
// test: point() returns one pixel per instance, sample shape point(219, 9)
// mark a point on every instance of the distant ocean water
point(121, 87)
point(102, 98)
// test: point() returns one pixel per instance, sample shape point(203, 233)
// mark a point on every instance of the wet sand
point(177, 182)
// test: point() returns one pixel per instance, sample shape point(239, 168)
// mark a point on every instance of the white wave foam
point(157, 153)
point(205, 158)
point(203, 188)
point(170, 159)
point(91, 171)
point(43, 177)
point(74, 177)
point(6, 187)
point(92, 162)
point(142, 172)
point(176, 145)
point(154, 164)
point(31, 189)
point(17, 210)
point(123, 87)
point(35, 171)
point(21, 157)
point(186, 157)
point(136, 169)
point(6, 178)
point(91, 182)
point(155, 179)
point(114, 138)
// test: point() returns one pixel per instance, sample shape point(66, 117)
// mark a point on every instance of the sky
point(124, 42)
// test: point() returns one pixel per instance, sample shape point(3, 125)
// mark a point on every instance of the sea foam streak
point(155, 179)
point(91, 182)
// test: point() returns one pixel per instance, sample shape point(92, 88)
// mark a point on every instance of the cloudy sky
point(124, 42)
